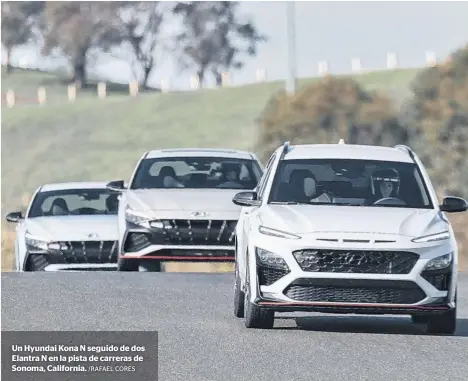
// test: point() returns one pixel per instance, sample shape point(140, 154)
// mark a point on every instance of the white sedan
point(67, 226)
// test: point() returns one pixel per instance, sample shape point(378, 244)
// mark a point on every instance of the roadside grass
point(93, 139)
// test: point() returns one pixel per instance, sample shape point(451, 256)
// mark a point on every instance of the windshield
point(197, 172)
point(350, 182)
point(72, 202)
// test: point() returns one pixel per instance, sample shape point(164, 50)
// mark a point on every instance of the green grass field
point(94, 139)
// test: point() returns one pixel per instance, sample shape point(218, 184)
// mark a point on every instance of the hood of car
point(74, 228)
point(304, 219)
point(183, 200)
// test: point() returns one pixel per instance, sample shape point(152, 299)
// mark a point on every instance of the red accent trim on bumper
point(180, 257)
point(351, 305)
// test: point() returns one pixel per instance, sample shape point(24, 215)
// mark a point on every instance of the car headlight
point(39, 244)
point(269, 259)
point(137, 218)
point(277, 233)
point(432, 237)
point(439, 263)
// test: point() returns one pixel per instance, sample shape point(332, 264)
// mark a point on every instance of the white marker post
point(392, 61)
point(431, 59)
point(72, 92)
point(356, 66)
point(41, 95)
point(323, 68)
point(194, 82)
point(102, 90)
point(10, 98)
point(260, 75)
point(165, 85)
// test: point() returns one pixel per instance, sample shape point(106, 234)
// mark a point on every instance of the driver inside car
point(231, 174)
point(310, 189)
point(385, 183)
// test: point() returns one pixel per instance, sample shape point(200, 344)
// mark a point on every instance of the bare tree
point(19, 22)
point(141, 24)
point(78, 29)
point(213, 38)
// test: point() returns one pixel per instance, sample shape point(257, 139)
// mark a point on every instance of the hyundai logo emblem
point(92, 235)
point(199, 214)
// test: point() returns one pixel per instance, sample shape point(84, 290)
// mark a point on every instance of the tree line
point(208, 37)
point(433, 120)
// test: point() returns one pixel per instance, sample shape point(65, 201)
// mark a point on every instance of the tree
point(213, 38)
point(326, 111)
point(438, 111)
point(79, 29)
point(142, 23)
point(19, 22)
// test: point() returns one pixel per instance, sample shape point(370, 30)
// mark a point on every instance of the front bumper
point(80, 256)
point(364, 281)
point(180, 241)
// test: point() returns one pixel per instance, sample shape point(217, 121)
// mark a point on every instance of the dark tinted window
point(74, 202)
point(197, 172)
point(350, 182)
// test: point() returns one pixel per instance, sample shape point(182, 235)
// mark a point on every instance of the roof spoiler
point(286, 149)
point(406, 149)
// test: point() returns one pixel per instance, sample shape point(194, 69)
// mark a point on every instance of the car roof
point(199, 152)
point(347, 151)
point(73, 185)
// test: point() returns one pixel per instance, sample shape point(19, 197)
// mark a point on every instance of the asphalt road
point(199, 339)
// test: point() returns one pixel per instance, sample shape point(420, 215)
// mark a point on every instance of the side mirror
point(14, 217)
point(246, 199)
point(116, 186)
point(453, 205)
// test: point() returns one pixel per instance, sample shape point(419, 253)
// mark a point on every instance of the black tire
point(128, 264)
point(418, 319)
point(445, 323)
point(255, 316)
point(239, 295)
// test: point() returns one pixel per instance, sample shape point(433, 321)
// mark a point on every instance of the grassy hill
point(94, 139)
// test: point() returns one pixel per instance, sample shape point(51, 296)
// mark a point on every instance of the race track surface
point(199, 338)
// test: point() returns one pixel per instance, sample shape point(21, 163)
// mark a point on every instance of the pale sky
point(332, 31)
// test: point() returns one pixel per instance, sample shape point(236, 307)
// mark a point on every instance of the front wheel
point(255, 316)
point(445, 323)
point(128, 264)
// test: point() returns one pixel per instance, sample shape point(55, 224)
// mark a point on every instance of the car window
point(74, 202)
point(350, 182)
point(197, 172)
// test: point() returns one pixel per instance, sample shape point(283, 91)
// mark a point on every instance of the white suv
point(178, 206)
point(346, 229)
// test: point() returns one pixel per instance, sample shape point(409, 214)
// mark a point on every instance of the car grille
point(268, 275)
point(81, 252)
point(355, 291)
point(356, 261)
point(184, 232)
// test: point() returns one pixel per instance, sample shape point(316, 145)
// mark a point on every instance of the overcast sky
point(332, 31)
